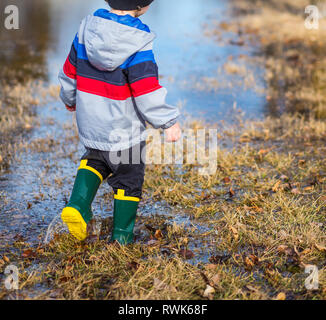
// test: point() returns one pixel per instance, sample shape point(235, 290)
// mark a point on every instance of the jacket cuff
point(170, 123)
point(65, 100)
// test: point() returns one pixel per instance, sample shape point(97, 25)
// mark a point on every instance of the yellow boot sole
point(75, 223)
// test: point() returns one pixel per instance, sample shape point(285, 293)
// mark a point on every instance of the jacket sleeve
point(149, 96)
point(68, 78)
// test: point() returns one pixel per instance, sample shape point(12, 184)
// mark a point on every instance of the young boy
point(110, 79)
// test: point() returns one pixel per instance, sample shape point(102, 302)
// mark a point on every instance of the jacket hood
point(110, 40)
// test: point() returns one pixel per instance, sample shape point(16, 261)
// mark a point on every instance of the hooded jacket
point(112, 78)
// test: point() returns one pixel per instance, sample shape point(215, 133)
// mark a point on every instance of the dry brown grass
point(294, 56)
point(18, 116)
point(264, 207)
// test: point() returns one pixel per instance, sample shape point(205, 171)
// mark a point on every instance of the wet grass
point(18, 99)
point(264, 217)
point(16, 106)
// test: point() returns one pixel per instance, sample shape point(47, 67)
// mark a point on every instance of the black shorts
point(123, 169)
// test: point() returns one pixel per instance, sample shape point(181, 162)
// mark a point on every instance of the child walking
point(110, 79)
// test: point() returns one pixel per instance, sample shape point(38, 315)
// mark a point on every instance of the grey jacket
point(112, 78)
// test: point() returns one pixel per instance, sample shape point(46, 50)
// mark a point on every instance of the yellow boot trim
point(83, 165)
point(75, 223)
point(121, 196)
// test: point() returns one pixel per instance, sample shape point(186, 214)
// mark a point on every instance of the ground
point(249, 231)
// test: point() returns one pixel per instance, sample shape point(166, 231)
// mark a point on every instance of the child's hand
point(71, 109)
point(173, 134)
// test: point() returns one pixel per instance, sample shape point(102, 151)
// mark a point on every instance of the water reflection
point(183, 53)
point(23, 53)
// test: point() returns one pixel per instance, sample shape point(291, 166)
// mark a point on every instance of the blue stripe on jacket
point(81, 49)
point(137, 58)
point(127, 20)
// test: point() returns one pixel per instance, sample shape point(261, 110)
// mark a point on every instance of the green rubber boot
point(124, 216)
point(78, 211)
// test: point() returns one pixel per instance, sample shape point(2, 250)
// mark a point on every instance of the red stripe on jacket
point(144, 86)
point(69, 70)
point(103, 89)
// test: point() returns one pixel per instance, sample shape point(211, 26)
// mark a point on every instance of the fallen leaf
point(306, 251)
point(29, 253)
point(158, 234)
point(262, 152)
point(204, 196)
point(68, 268)
point(248, 262)
point(295, 191)
point(258, 210)
point(209, 291)
point(133, 265)
point(216, 279)
point(281, 296)
point(226, 180)
point(231, 192)
point(2, 262)
point(64, 279)
point(254, 259)
point(40, 250)
point(187, 254)
point(276, 186)
point(235, 232)
point(93, 258)
point(284, 249)
point(270, 272)
point(211, 266)
point(217, 259)
point(92, 231)
point(6, 259)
